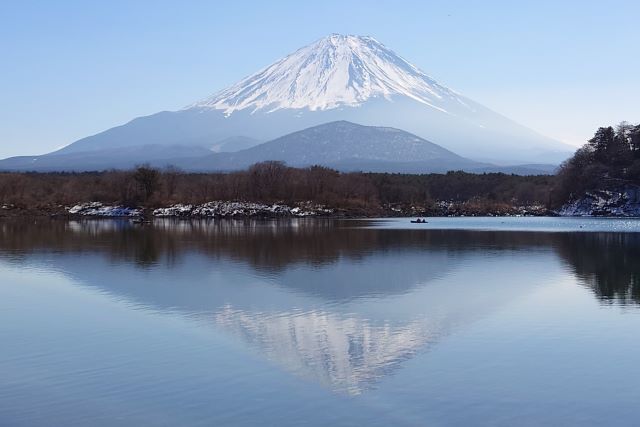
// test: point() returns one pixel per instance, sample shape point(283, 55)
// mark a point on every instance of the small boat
point(141, 220)
point(419, 221)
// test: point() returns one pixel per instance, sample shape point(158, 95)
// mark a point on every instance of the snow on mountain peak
point(335, 71)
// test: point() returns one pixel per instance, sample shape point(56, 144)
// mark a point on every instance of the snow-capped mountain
point(333, 72)
point(337, 78)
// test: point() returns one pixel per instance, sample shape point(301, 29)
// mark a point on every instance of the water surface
point(461, 321)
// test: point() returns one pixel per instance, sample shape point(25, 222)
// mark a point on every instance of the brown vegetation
point(270, 182)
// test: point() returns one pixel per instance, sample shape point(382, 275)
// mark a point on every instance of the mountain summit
point(332, 72)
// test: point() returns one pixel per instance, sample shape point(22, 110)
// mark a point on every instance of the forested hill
point(608, 166)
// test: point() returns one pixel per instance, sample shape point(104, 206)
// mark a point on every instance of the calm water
point(462, 321)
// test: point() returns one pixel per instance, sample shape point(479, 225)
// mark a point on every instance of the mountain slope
point(344, 146)
point(115, 158)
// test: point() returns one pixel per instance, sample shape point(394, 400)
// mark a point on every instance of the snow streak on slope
point(332, 72)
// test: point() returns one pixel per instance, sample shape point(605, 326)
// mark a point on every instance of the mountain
point(336, 78)
point(344, 146)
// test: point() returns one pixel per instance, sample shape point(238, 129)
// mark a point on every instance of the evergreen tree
point(601, 142)
point(634, 140)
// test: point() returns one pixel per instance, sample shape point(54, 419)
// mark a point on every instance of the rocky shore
point(623, 202)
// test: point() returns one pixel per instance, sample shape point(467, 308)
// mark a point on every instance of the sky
point(71, 69)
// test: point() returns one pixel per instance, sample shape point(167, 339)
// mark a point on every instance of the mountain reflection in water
point(344, 353)
point(328, 300)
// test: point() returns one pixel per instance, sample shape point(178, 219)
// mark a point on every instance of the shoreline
point(31, 215)
point(255, 210)
point(238, 210)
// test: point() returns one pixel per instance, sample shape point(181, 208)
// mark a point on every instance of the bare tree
point(147, 179)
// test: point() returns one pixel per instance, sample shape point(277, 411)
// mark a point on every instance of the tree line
point(269, 182)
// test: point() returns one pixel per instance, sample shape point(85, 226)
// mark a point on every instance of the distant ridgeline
point(603, 177)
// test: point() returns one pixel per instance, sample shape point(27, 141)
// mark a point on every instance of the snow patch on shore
point(98, 209)
point(225, 209)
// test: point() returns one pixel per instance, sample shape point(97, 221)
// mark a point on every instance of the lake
point(457, 322)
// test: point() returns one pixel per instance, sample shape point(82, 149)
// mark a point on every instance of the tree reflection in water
point(608, 263)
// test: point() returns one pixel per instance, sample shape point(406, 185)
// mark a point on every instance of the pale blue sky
point(75, 68)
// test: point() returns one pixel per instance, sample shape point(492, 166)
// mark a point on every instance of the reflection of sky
point(540, 224)
point(390, 337)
